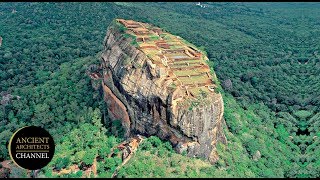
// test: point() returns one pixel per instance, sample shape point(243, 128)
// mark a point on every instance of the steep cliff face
point(152, 98)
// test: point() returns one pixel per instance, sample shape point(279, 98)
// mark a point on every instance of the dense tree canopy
point(264, 54)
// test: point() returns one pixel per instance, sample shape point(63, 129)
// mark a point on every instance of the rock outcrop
point(159, 84)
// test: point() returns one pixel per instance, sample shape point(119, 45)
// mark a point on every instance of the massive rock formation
point(159, 84)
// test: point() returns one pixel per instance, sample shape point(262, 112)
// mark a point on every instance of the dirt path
point(133, 145)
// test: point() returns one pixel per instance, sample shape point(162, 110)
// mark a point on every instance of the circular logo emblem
point(31, 147)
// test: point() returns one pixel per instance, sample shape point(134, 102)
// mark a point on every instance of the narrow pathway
point(128, 149)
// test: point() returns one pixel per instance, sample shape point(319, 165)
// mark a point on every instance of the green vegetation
point(154, 38)
point(82, 148)
point(265, 56)
point(164, 162)
point(132, 37)
point(172, 85)
point(121, 27)
point(201, 98)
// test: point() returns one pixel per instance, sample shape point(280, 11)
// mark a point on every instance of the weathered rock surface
point(146, 106)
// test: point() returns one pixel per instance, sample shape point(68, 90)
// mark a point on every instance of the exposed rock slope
point(158, 84)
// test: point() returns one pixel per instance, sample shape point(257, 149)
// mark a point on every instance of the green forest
point(265, 56)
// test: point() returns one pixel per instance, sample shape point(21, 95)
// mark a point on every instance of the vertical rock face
point(158, 84)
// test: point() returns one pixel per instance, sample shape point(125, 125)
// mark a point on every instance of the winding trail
point(132, 146)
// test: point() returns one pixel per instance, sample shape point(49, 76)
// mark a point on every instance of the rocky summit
point(159, 84)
